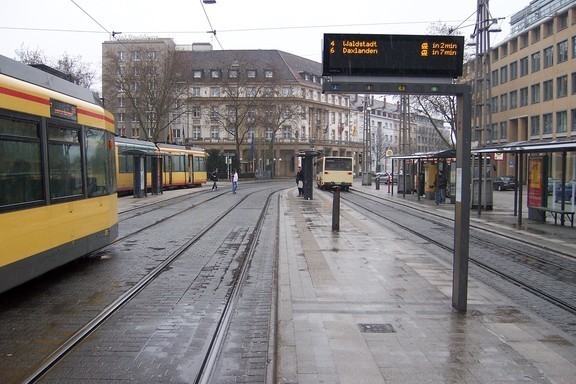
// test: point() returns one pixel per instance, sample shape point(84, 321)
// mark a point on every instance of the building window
point(214, 133)
point(197, 132)
point(513, 45)
point(215, 74)
point(548, 57)
point(535, 125)
point(563, 21)
point(513, 99)
point(136, 56)
point(495, 104)
point(286, 91)
point(503, 130)
point(547, 124)
point(152, 55)
point(196, 91)
point(214, 91)
point(514, 70)
point(503, 75)
point(251, 73)
point(268, 134)
point(561, 121)
point(196, 112)
point(535, 91)
point(524, 66)
point(535, 62)
point(548, 90)
point(121, 117)
point(524, 96)
point(121, 55)
point(250, 92)
point(574, 47)
point(233, 73)
point(523, 41)
point(536, 35)
point(215, 112)
point(495, 77)
point(549, 28)
point(562, 86)
point(573, 124)
point(268, 74)
point(562, 51)
point(197, 73)
point(504, 102)
point(573, 82)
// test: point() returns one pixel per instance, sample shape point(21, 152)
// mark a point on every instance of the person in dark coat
point(440, 185)
point(214, 178)
point(300, 181)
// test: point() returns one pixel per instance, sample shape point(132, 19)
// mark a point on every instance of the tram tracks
point(536, 263)
point(243, 253)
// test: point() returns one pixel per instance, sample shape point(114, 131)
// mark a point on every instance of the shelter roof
point(552, 145)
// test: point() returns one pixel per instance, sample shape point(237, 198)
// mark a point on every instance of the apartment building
point(533, 81)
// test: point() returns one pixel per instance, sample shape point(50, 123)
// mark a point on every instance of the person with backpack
point(214, 178)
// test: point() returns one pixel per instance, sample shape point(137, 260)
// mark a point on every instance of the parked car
point(569, 192)
point(383, 176)
point(503, 183)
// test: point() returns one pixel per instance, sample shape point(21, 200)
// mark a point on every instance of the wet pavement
point(351, 310)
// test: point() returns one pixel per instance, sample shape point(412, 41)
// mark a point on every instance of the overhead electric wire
point(212, 30)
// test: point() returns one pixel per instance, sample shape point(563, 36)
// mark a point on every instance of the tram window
point(100, 163)
point(125, 163)
point(177, 163)
point(65, 162)
point(199, 164)
point(20, 168)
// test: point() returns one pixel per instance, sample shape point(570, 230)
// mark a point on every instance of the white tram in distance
point(334, 171)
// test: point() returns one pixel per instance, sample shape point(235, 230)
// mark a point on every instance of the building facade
point(533, 81)
point(265, 106)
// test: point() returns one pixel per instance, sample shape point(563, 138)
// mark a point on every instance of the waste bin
point(377, 182)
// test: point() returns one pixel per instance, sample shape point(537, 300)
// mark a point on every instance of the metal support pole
point(462, 209)
point(336, 210)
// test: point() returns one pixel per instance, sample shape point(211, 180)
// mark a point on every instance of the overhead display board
point(392, 55)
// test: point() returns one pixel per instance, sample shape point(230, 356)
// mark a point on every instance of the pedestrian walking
point(214, 178)
point(300, 181)
point(234, 180)
point(440, 185)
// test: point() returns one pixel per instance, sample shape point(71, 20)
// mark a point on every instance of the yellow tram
point(182, 166)
point(58, 196)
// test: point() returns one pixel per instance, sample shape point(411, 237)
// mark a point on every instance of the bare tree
point(379, 146)
point(151, 89)
point(234, 107)
point(74, 66)
point(439, 107)
point(280, 111)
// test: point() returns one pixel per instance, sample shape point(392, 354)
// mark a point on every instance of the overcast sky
point(78, 27)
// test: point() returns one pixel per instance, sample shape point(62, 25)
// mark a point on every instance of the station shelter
point(147, 163)
point(417, 172)
point(547, 168)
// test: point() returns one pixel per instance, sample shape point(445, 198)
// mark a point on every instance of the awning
point(445, 154)
point(557, 145)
